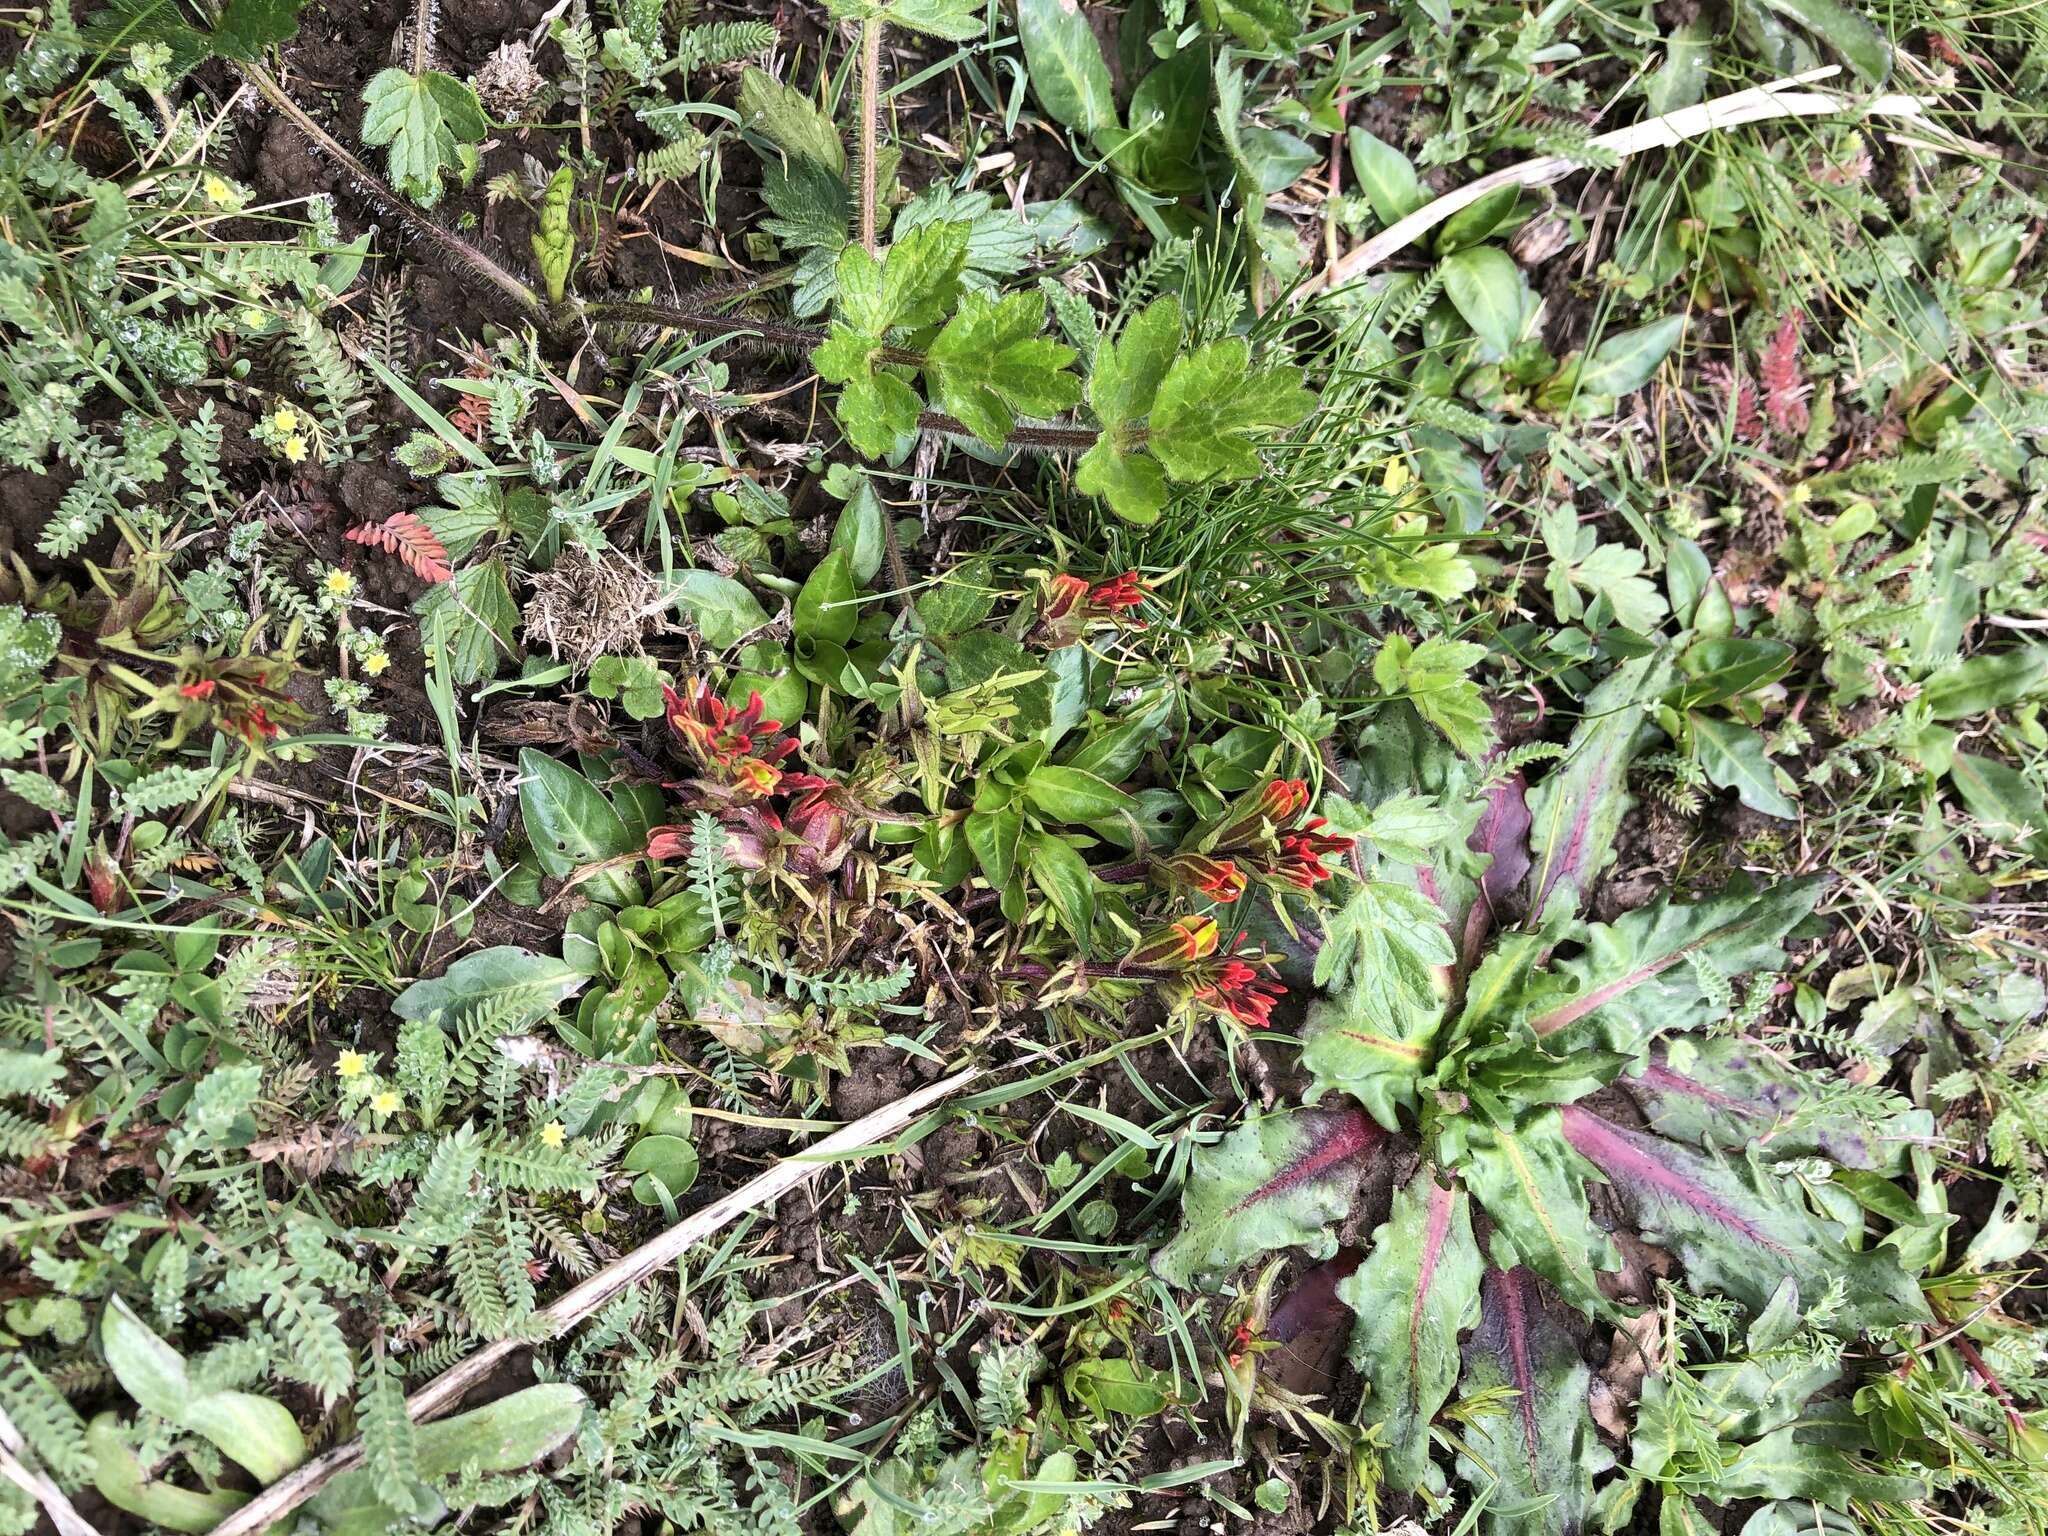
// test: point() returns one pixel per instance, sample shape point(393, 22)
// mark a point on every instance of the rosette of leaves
point(1488, 1051)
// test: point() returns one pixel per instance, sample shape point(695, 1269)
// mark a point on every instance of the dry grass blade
point(446, 1390)
point(1759, 104)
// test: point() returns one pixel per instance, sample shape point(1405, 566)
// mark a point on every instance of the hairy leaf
point(1068, 73)
point(1210, 403)
point(991, 365)
point(425, 120)
point(1417, 1290)
point(1272, 1183)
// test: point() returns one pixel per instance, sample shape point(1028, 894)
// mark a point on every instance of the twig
point(1759, 104)
point(35, 1484)
point(446, 1389)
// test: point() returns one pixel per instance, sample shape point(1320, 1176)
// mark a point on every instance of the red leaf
point(1503, 831)
point(1785, 387)
point(404, 535)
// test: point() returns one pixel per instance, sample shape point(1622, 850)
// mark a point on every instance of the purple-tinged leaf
point(1536, 1460)
point(1577, 809)
point(1739, 1229)
point(1642, 976)
point(1503, 835)
point(1414, 1294)
point(1274, 1182)
point(1313, 1302)
point(1533, 1185)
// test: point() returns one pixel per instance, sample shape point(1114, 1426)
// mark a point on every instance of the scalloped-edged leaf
point(1357, 1047)
point(1533, 1185)
point(1643, 975)
point(1739, 1229)
point(1274, 1182)
point(1415, 1293)
point(1536, 1459)
point(1577, 809)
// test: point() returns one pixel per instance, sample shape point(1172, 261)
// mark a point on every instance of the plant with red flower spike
point(1069, 607)
point(1302, 854)
point(1117, 594)
point(734, 746)
point(1258, 839)
point(1241, 991)
point(1785, 387)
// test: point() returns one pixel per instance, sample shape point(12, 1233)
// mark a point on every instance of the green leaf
point(1742, 1228)
point(471, 621)
point(1371, 1049)
point(1062, 874)
point(725, 612)
point(1068, 73)
point(1724, 667)
point(569, 821)
point(1075, 795)
point(862, 533)
point(424, 119)
point(1133, 485)
point(1434, 678)
point(1621, 363)
point(1489, 291)
point(954, 20)
point(247, 27)
point(1536, 1457)
point(1415, 1292)
point(1844, 31)
point(1533, 1185)
point(790, 121)
point(1985, 683)
point(994, 837)
point(1796, 1462)
point(1130, 366)
point(2003, 800)
point(827, 608)
point(1385, 176)
point(1735, 757)
point(259, 1433)
point(912, 286)
point(524, 985)
point(991, 365)
point(1210, 402)
point(1274, 1182)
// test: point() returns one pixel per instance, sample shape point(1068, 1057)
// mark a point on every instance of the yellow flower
point(351, 1063)
point(385, 1103)
point(219, 190)
point(376, 663)
point(340, 583)
point(254, 318)
point(295, 448)
point(285, 419)
point(552, 1134)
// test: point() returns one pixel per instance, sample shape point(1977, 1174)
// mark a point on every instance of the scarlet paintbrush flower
point(1218, 879)
point(1118, 593)
point(1069, 607)
point(1302, 854)
point(1259, 813)
point(1242, 992)
point(735, 745)
point(199, 690)
point(1180, 943)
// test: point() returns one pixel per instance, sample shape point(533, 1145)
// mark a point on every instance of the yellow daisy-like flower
point(351, 1063)
point(385, 1103)
point(377, 663)
point(254, 318)
point(219, 190)
point(294, 448)
point(340, 583)
point(552, 1134)
point(285, 419)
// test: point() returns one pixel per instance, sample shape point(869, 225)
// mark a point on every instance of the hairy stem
point(870, 110)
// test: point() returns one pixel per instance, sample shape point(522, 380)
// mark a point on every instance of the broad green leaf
point(1075, 795)
point(1068, 73)
point(1435, 677)
point(1388, 939)
point(1794, 1462)
point(122, 1480)
point(527, 986)
point(912, 286)
point(994, 835)
point(1274, 1182)
point(1842, 30)
point(1681, 79)
point(1478, 220)
point(569, 821)
point(789, 120)
point(1985, 683)
point(1536, 1458)
point(1415, 1292)
point(954, 20)
point(1624, 361)
point(1726, 667)
point(827, 606)
point(1533, 1185)
point(1269, 27)
point(725, 612)
point(1210, 402)
point(860, 533)
point(1062, 874)
point(1372, 1050)
point(990, 365)
point(424, 119)
point(471, 621)
point(259, 1433)
point(1735, 757)
point(2004, 801)
point(1133, 485)
point(1489, 291)
point(1130, 365)
point(1742, 1229)
point(1385, 176)
point(1643, 974)
point(1577, 808)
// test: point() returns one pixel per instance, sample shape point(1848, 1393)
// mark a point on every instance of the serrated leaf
point(1536, 1461)
point(1130, 366)
point(1416, 1291)
point(954, 20)
point(471, 621)
point(1210, 403)
point(990, 365)
point(1132, 484)
point(1578, 807)
point(1068, 73)
point(423, 119)
point(247, 27)
point(789, 120)
point(1433, 676)
point(1533, 1185)
point(1274, 1182)
point(1739, 1229)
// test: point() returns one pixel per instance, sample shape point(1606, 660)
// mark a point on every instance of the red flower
point(254, 726)
point(1218, 879)
point(199, 690)
point(1283, 799)
point(1302, 854)
point(1181, 942)
point(1240, 1341)
point(1240, 991)
point(1118, 593)
point(723, 739)
point(668, 843)
point(1063, 595)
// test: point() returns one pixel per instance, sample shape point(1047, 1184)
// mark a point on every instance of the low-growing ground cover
point(897, 766)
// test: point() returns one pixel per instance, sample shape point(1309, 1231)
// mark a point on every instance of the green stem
point(870, 111)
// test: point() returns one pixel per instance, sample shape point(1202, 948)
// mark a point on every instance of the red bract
point(1118, 593)
point(253, 726)
point(1302, 854)
point(734, 745)
point(1180, 943)
point(1069, 607)
point(199, 690)
point(1242, 992)
point(1218, 879)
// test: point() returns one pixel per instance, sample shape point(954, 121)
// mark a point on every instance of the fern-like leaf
point(404, 535)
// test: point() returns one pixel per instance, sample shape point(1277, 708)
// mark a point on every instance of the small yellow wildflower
point(285, 419)
point(552, 1134)
point(351, 1063)
point(385, 1103)
point(377, 663)
point(295, 448)
point(254, 319)
point(340, 583)
point(219, 190)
